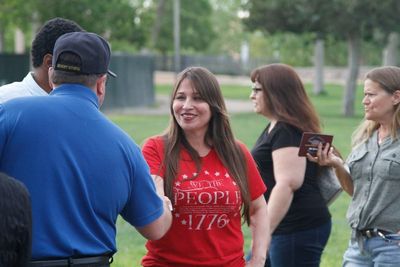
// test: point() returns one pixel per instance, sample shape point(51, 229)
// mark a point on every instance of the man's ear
point(50, 73)
point(47, 60)
point(101, 88)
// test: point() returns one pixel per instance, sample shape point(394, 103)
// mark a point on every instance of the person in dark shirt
point(299, 218)
point(15, 223)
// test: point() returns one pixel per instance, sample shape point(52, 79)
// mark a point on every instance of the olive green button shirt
point(375, 171)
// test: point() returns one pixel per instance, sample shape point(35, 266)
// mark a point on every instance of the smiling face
point(378, 104)
point(191, 112)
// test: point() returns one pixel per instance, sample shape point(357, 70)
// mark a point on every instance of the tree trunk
point(319, 66)
point(19, 44)
point(1, 40)
point(354, 50)
point(157, 23)
point(390, 53)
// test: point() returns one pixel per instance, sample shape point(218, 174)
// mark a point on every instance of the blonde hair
point(388, 78)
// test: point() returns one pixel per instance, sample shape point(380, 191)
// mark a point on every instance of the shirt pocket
point(390, 166)
point(356, 163)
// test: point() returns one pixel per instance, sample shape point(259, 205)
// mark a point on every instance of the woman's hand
point(253, 263)
point(326, 156)
point(159, 183)
point(329, 157)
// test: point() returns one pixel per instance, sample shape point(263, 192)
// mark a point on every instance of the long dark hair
point(285, 97)
point(219, 135)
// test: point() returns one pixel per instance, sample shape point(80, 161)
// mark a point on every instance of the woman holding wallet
point(371, 174)
point(300, 221)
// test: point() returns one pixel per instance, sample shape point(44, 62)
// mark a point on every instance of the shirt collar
point(76, 90)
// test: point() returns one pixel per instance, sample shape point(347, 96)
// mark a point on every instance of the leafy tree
point(14, 13)
point(117, 20)
point(357, 21)
point(352, 20)
point(227, 23)
point(114, 19)
point(195, 25)
point(296, 16)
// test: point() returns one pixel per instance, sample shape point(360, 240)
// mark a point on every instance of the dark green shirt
point(375, 171)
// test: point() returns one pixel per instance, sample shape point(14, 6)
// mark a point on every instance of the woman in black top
point(299, 218)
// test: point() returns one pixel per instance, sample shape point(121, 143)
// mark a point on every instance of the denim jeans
point(375, 252)
point(299, 249)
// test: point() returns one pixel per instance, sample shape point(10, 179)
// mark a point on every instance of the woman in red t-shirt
point(210, 177)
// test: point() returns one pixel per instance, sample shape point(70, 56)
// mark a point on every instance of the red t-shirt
point(206, 226)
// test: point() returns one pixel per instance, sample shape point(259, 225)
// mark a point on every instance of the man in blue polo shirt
point(81, 170)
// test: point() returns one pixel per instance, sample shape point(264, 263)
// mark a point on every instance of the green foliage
point(332, 20)
point(117, 20)
point(298, 49)
point(339, 17)
point(296, 16)
point(114, 19)
point(15, 13)
point(196, 31)
point(292, 49)
point(228, 25)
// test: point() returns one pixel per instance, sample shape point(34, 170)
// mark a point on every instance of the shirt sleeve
point(144, 205)
point(255, 182)
point(153, 152)
point(285, 135)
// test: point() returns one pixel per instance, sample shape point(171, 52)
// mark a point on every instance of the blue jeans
point(375, 252)
point(300, 249)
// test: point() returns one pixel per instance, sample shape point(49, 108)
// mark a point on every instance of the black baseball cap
point(94, 53)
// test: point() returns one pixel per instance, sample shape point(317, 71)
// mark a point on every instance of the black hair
point(15, 223)
point(46, 38)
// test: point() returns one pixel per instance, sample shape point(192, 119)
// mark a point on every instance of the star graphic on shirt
point(195, 174)
point(206, 173)
point(184, 222)
point(227, 175)
point(177, 183)
point(177, 215)
point(184, 177)
point(233, 182)
point(216, 173)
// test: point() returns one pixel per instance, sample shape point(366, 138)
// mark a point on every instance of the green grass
point(247, 127)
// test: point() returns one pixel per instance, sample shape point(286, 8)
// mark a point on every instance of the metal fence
point(13, 67)
point(133, 87)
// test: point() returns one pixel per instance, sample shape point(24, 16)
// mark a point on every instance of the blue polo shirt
point(80, 169)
